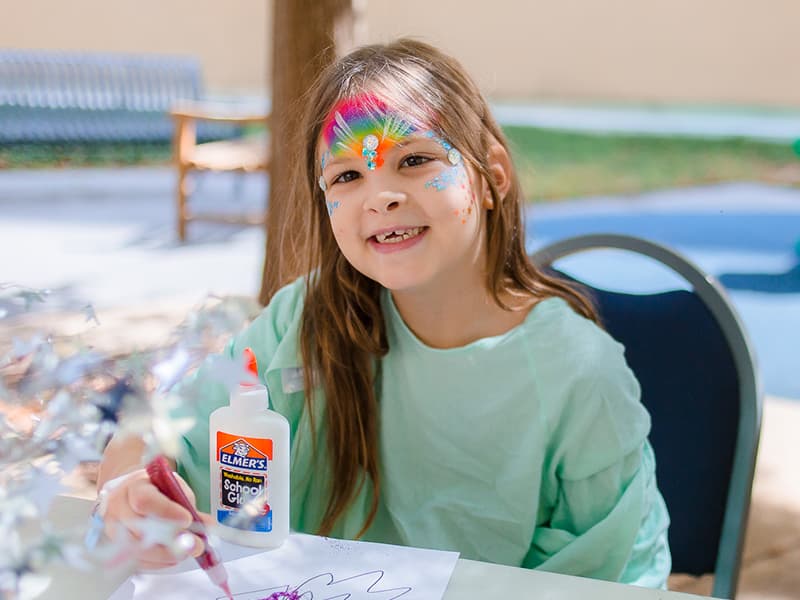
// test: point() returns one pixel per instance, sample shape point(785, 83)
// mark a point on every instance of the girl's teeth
point(399, 235)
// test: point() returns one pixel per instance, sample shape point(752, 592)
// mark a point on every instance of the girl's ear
point(500, 170)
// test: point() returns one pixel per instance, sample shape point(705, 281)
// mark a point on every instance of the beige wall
point(742, 51)
point(719, 51)
point(228, 36)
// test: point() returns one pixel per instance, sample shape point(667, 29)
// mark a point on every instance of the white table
point(470, 580)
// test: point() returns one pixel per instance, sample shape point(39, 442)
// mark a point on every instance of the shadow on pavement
point(772, 283)
point(741, 232)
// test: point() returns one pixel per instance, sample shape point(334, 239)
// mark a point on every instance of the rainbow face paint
point(364, 126)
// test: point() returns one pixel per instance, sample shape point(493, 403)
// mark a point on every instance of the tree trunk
point(307, 36)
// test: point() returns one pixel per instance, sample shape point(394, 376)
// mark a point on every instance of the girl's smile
point(395, 239)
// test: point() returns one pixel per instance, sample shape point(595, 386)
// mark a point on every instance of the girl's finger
point(146, 501)
point(186, 489)
point(207, 519)
point(157, 559)
point(160, 556)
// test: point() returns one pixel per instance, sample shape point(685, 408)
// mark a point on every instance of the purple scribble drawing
point(293, 595)
point(325, 587)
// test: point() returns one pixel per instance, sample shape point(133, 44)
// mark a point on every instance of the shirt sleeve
point(606, 517)
point(201, 394)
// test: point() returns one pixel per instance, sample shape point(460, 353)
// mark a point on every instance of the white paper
point(316, 568)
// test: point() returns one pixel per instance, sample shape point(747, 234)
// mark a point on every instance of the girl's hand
point(130, 497)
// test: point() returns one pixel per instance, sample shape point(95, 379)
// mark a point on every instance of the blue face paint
point(453, 155)
point(454, 175)
point(326, 156)
point(448, 177)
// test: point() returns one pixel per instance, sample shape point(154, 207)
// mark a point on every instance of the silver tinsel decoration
point(60, 402)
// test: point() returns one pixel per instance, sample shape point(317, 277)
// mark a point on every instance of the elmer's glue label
point(243, 469)
point(249, 446)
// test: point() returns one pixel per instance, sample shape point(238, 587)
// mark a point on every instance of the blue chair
point(698, 377)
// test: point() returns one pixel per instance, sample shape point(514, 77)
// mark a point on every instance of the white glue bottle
point(249, 447)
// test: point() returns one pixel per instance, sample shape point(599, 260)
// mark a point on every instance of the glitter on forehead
point(364, 126)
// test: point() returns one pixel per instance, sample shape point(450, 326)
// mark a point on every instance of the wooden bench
point(245, 155)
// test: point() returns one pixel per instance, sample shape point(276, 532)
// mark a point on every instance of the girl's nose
point(385, 201)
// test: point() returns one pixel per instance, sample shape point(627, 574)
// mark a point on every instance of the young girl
point(441, 391)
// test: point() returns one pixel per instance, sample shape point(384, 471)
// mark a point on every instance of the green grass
point(558, 164)
point(552, 164)
point(33, 156)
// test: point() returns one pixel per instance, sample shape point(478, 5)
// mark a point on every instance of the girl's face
point(401, 201)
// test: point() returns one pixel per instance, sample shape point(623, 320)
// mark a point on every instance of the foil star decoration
point(249, 512)
point(88, 310)
point(16, 298)
point(43, 486)
point(173, 368)
point(118, 550)
point(22, 348)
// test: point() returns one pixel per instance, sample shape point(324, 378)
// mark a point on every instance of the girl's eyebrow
point(333, 162)
point(346, 158)
point(413, 139)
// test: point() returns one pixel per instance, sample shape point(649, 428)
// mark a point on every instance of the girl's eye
point(346, 177)
point(414, 160)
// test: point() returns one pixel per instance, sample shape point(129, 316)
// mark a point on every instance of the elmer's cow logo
point(241, 448)
point(244, 453)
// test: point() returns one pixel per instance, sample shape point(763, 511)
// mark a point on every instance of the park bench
point(66, 96)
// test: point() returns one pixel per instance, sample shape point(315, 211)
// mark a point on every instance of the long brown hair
point(342, 334)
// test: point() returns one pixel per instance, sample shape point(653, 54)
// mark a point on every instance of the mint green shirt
point(527, 449)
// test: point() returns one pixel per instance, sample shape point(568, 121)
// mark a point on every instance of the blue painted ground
point(746, 235)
